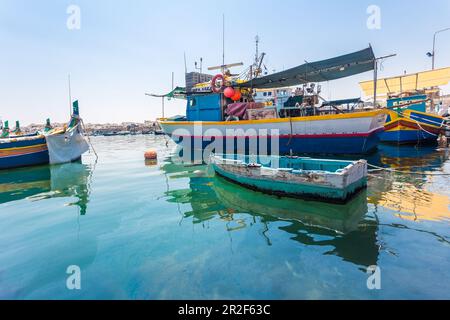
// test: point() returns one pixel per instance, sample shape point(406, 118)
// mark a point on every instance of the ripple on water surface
point(146, 230)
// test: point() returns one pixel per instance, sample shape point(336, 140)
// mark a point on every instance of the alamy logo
point(73, 282)
point(374, 19)
point(374, 280)
point(74, 19)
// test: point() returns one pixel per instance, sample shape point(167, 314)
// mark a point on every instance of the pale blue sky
point(125, 48)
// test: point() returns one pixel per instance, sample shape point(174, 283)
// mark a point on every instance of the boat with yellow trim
point(225, 116)
point(408, 123)
point(408, 98)
point(52, 146)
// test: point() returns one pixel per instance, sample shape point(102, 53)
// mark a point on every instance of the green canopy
point(320, 71)
point(341, 102)
point(177, 93)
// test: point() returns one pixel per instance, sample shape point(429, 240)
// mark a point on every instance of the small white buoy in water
point(151, 154)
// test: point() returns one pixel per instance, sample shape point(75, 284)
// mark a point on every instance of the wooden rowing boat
point(334, 181)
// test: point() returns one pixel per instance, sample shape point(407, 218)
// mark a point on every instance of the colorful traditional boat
point(217, 120)
point(54, 146)
point(333, 181)
point(408, 122)
point(408, 95)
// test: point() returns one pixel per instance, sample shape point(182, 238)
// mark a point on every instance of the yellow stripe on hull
point(355, 115)
point(22, 150)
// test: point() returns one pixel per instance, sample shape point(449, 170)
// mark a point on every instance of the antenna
point(173, 75)
point(224, 66)
point(257, 50)
point(223, 39)
point(185, 64)
point(201, 65)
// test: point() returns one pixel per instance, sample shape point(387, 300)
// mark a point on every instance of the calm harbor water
point(165, 231)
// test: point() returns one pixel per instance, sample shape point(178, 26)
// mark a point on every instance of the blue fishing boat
point(332, 181)
point(59, 145)
point(222, 113)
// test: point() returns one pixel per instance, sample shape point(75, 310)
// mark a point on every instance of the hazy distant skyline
point(126, 48)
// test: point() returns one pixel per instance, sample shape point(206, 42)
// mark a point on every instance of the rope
point(433, 134)
point(409, 172)
point(435, 123)
point(292, 131)
point(89, 140)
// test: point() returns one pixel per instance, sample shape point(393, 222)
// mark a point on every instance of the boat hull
point(66, 147)
point(23, 153)
point(357, 133)
point(412, 128)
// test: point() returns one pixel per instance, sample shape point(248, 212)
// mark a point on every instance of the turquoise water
point(165, 231)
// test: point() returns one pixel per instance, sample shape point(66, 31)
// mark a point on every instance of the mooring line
point(409, 172)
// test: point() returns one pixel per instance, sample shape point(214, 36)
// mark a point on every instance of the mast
point(375, 82)
point(375, 76)
point(257, 50)
point(70, 98)
point(223, 39)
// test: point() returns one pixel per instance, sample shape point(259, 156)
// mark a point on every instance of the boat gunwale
point(218, 160)
point(343, 116)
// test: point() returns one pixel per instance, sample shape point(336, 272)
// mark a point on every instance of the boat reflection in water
point(44, 182)
point(411, 196)
point(340, 218)
point(346, 229)
point(423, 158)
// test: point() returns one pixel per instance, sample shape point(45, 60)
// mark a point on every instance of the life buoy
point(215, 88)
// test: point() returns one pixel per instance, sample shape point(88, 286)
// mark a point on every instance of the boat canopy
point(408, 82)
point(320, 71)
point(341, 102)
point(177, 93)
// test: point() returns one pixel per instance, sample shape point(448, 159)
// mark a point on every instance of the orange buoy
point(237, 95)
point(229, 92)
point(151, 154)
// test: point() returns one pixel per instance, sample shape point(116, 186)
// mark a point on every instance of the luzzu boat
point(215, 119)
point(318, 179)
point(408, 121)
point(52, 146)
